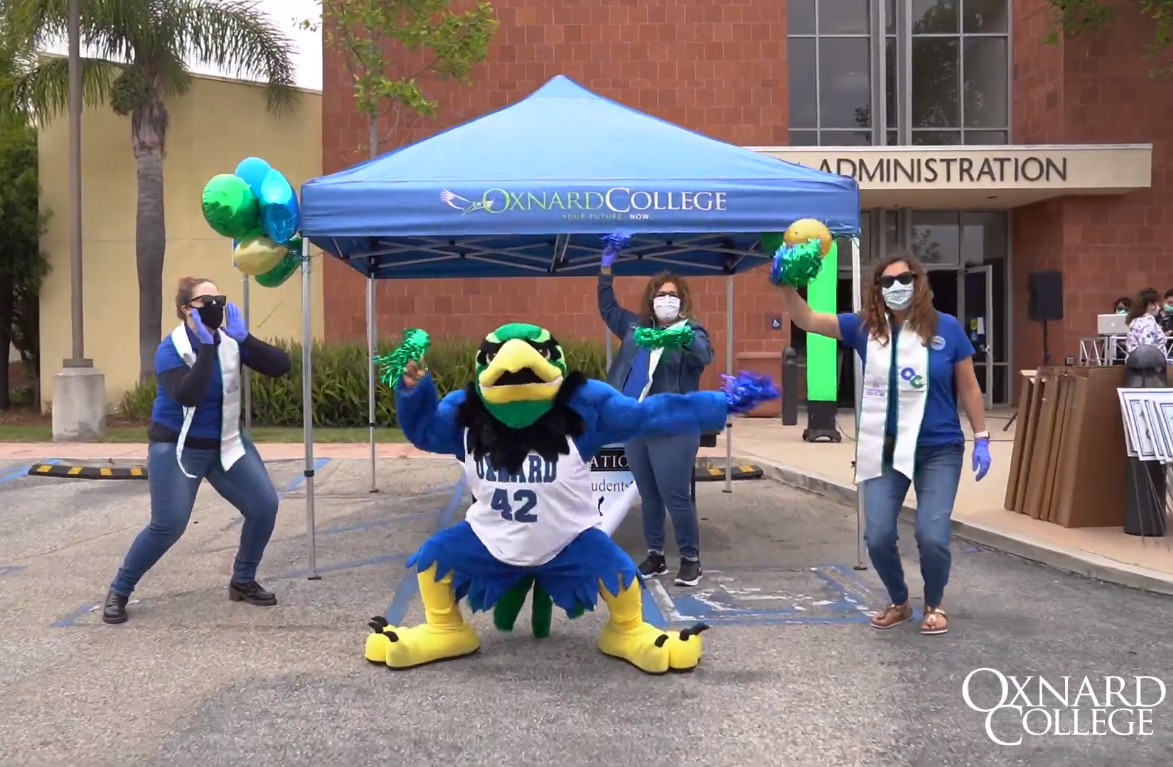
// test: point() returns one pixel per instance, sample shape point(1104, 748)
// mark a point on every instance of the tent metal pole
point(247, 384)
point(729, 371)
point(307, 405)
point(856, 306)
point(371, 383)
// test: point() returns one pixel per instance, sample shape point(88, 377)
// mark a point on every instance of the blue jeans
point(936, 476)
point(246, 486)
point(663, 468)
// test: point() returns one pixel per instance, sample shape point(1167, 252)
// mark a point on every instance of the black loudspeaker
point(1044, 296)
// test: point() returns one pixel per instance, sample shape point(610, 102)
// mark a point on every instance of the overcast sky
point(287, 14)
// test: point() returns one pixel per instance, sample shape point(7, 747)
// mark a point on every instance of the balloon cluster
point(257, 208)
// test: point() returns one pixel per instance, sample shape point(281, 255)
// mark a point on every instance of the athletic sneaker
point(654, 565)
point(690, 573)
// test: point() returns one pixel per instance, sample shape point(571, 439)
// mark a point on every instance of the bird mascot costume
point(525, 431)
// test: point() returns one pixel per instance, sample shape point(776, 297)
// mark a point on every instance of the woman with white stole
point(195, 435)
point(917, 366)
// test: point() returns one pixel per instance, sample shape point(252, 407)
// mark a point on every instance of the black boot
point(252, 593)
point(114, 610)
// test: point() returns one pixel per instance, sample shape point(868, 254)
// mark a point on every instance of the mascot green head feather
point(520, 369)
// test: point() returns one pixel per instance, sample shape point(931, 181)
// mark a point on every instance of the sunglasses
point(209, 300)
point(888, 280)
point(667, 294)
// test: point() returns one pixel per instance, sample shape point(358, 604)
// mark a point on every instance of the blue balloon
point(280, 215)
point(253, 171)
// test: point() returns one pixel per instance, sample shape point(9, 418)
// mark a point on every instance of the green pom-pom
point(230, 207)
point(678, 337)
point(411, 349)
point(797, 265)
point(772, 241)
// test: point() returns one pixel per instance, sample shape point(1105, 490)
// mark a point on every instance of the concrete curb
point(1065, 558)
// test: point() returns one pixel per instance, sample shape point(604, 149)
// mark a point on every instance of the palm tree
point(142, 51)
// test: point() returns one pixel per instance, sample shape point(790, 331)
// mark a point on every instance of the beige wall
point(216, 125)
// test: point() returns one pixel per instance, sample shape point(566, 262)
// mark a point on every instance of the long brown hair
point(922, 316)
point(185, 292)
point(1140, 304)
point(647, 313)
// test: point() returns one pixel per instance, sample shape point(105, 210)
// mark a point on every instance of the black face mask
point(211, 315)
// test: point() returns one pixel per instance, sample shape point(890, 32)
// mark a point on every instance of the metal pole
point(77, 300)
point(610, 351)
point(307, 405)
point(856, 306)
point(247, 384)
point(371, 383)
point(729, 369)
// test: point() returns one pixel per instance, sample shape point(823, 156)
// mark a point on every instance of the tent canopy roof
point(528, 189)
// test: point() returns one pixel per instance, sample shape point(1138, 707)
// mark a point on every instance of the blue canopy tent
point(526, 191)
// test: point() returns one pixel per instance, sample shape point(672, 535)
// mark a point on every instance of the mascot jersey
point(525, 431)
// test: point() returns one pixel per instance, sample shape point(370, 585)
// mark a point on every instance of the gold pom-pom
point(807, 229)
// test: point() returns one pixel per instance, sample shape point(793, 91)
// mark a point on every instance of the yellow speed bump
point(87, 472)
point(716, 473)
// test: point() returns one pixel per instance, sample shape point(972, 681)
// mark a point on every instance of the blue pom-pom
point(616, 241)
point(746, 390)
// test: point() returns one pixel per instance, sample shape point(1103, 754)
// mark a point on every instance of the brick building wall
point(717, 68)
point(1093, 90)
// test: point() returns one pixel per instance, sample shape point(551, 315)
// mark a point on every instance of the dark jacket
point(679, 370)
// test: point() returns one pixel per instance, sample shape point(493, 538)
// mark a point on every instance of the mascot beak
point(519, 373)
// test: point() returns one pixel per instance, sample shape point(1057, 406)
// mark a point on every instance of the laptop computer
point(1111, 325)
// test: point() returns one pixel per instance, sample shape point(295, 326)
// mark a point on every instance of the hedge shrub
point(340, 382)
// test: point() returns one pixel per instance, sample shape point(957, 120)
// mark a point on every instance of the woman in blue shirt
point(917, 366)
point(195, 435)
point(662, 466)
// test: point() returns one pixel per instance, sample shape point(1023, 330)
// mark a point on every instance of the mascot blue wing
point(428, 424)
point(610, 417)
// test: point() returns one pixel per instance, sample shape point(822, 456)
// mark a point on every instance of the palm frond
point(42, 89)
point(109, 28)
point(235, 36)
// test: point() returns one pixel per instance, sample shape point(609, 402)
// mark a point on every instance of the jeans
point(936, 477)
point(663, 468)
point(246, 486)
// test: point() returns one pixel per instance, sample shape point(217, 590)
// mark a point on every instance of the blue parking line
point(10, 569)
point(388, 522)
point(72, 618)
point(408, 586)
point(24, 470)
point(652, 612)
point(352, 565)
point(293, 484)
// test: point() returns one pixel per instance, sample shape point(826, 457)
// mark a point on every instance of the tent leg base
point(860, 568)
point(314, 578)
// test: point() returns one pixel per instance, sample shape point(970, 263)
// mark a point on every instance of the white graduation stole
point(654, 360)
point(231, 446)
point(911, 359)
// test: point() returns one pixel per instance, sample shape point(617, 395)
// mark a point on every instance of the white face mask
point(898, 296)
point(667, 308)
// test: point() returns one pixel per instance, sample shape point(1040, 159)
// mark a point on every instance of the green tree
point(390, 46)
point(142, 50)
point(1083, 17)
point(22, 265)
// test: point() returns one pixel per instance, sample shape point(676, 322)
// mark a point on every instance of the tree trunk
point(7, 307)
point(150, 246)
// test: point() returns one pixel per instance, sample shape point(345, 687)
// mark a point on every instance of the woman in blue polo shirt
point(195, 435)
point(917, 365)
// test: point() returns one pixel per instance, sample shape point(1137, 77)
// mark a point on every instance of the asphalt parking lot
point(792, 675)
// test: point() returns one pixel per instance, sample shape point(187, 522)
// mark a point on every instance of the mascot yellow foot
point(444, 636)
point(644, 646)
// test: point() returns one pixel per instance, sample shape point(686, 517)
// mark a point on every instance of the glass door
point(977, 317)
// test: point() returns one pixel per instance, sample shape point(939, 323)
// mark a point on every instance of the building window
point(960, 57)
point(830, 63)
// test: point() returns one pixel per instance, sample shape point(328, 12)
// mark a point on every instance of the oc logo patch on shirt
point(938, 343)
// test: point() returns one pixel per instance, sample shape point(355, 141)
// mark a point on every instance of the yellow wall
point(216, 125)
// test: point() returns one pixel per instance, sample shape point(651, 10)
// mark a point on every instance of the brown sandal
point(892, 616)
point(935, 622)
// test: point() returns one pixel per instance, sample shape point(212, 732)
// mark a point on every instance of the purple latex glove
point(981, 458)
point(234, 323)
point(201, 330)
point(613, 244)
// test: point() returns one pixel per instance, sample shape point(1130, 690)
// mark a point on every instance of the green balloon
point(771, 241)
point(230, 207)
point(279, 274)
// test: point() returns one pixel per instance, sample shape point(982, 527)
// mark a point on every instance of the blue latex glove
point(234, 323)
point(609, 256)
point(202, 333)
point(981, 458)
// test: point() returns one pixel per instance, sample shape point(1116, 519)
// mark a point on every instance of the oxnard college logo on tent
point(616, 204)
